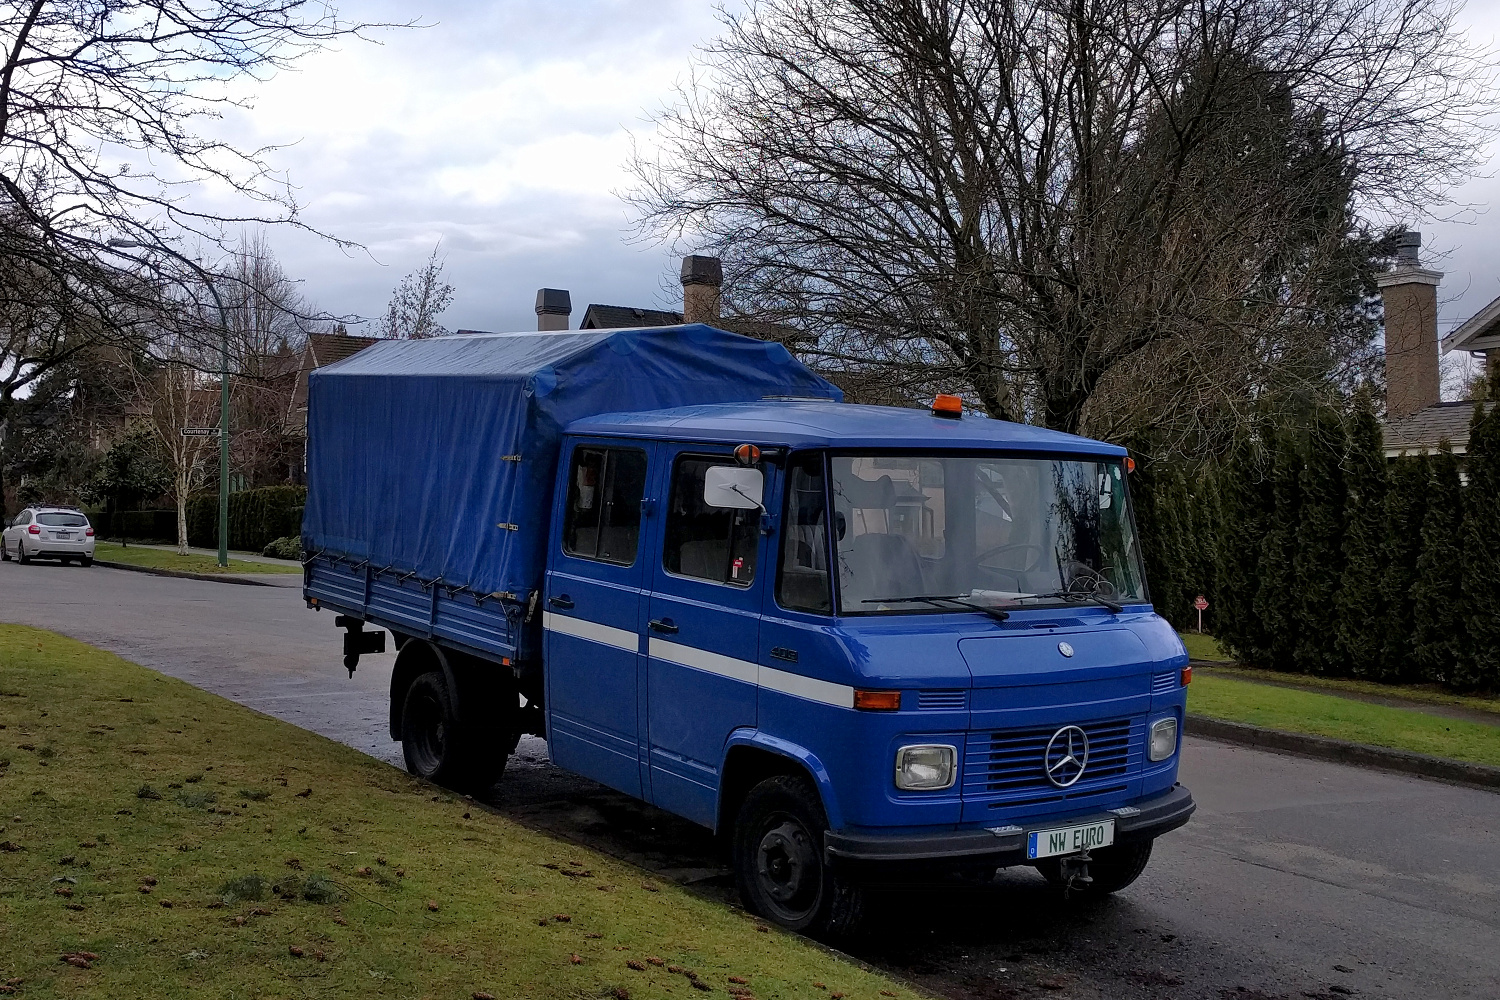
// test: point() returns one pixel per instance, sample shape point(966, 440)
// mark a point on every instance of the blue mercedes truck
point(856, 641)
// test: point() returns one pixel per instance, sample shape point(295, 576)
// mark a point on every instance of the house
point(1417, 419)
point(321, 349)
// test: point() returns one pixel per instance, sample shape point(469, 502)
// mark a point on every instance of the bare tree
point(181, 402)
point(268, 321)
point(102, 110)
point(1098, 215)
point(417, 302)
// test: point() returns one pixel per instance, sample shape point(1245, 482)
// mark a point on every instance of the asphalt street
point(1297, 878)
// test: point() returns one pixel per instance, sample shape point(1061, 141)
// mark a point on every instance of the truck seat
point(880, 566)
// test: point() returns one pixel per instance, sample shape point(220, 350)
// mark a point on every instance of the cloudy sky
point(502, 129)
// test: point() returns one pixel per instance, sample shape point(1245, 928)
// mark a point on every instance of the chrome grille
point(1006, 765)
point(951, 700)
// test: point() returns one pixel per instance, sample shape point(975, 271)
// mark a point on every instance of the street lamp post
point(207, 280)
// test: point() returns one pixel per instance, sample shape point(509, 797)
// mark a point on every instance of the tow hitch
point(1074, 873)
point(357, 640)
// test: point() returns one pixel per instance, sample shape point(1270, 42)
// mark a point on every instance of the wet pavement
point(1297, 878)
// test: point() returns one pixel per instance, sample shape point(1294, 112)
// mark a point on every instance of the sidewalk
point(233, 553)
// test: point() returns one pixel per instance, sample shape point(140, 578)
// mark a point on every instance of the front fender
point(801, 755)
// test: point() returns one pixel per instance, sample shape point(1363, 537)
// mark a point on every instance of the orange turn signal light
point(1129, 464)
point(1187, 676)
point(747, 454)
point(945, 405)
point(877, 701)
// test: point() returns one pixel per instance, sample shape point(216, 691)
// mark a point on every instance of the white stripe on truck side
point(607, 634)
point(796, 685)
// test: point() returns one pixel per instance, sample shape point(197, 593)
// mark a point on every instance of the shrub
point(256, 517)
point(289, 547)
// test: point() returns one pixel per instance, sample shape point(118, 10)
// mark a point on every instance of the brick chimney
point(701, 280)
point(553, 307)
point(1411, 344)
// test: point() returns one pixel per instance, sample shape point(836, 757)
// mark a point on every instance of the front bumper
point(1004, 846)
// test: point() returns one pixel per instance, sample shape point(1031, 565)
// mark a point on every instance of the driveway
point(1296, 878)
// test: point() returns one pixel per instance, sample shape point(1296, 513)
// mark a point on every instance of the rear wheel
point(437, 743)
point(86, 561)
point(1111, 868)
point(21, 556)
point(779, 862)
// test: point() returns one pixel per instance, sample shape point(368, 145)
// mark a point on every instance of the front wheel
point(4, 551)
point(779, 862)
point(1111, 868)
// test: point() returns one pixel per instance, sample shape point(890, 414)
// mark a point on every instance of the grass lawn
point(1203, 647)
point(160, 841)
point(1300, 711)
point(1429, 693)
point(140, 555)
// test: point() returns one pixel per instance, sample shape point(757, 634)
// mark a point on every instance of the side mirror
point(734, 488)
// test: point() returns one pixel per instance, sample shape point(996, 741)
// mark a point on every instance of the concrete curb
point(1344, 752)
point(210, 577)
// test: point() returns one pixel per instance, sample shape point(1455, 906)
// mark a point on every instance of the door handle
point(561, 601)
point(663, 625)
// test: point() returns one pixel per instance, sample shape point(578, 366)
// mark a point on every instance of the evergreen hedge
point(256, 517)
point(1320, 555)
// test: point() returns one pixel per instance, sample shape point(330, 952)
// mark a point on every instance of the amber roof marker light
point(946, 405)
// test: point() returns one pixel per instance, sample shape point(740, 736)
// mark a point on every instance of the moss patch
point(373, 885)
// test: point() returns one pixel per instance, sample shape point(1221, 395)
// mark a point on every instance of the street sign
point(200, 432)
point(1201, 603)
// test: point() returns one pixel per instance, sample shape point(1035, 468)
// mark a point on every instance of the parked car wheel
point(1111, 868)
point(779, 861)
point(86, 561)
point(21, 556)
point(4, 551)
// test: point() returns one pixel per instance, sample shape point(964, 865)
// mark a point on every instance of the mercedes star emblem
point(1065, 649)
point(1066, 757)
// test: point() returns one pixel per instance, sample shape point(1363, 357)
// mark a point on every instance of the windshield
point(998, 532)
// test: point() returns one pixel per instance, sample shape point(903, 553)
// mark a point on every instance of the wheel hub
point(784, 861)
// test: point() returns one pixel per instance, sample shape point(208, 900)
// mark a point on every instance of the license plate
point(64, 534)
point(1070, 839)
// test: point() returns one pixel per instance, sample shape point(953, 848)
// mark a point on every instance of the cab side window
point(603, 517)
point(708, 543)
point(802, 578)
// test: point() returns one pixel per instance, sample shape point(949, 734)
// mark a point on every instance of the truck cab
point(862, 640)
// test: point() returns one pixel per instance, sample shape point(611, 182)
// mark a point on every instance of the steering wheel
point(1031, 564)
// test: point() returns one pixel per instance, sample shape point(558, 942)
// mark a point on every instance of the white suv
point(48, 532)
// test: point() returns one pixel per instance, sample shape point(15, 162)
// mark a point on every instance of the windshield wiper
point(958, 599)
point(1065, 595)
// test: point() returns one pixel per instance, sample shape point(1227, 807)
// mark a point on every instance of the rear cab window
point(602, 521)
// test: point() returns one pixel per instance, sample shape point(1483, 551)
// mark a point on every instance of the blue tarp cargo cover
point(421, 453)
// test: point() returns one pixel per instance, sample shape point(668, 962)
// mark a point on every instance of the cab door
point(593, 611)
point(703, 634)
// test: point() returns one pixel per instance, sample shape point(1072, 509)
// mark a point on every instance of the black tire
point(21, 556)
point(1111, 868)
point(779, 864)
point(65, 560)
point(4, 551)
point(429, 730)
point(438, 746)
point(86, 561)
